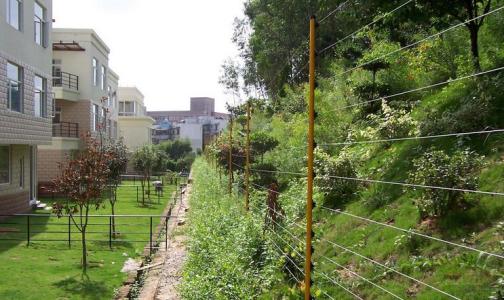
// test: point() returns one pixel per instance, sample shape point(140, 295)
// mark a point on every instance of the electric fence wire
point(388, 268)
point(420, 88)
point(362, 277)
point(341, 266)
point(410, 185)
point(338, 284)
point(422, 40)
point(409, 231)
point(288, 258)
point(457, 134)
point(413, 232)
point(365, 26)
point(384, 266)
point(337, 9)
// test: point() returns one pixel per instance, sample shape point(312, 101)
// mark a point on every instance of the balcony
point(65, 86)
point(66, 80)
point(66, 129)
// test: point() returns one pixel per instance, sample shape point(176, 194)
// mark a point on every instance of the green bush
point(393, 123)
point(335, 190)
point(437, 168)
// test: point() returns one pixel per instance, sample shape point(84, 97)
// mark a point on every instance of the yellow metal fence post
point(247, 162)
point(230, 157)
point(309, 192)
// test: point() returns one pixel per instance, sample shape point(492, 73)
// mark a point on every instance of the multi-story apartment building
point(25, 98)
point(135, 126)
point(199, 125)
point(85, 92)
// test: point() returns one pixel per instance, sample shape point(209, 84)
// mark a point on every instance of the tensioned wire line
point(286, 256)
point(421, 88)
point(458, 134)
point(340, 7)
point(411, 185)
point(363, 278)
point(409, 231)
point(365, 26)
point(390, 269)
point(321, 273)
point(422, 40)
point(338, 284)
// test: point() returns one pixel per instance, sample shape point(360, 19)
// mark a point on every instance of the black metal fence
point(66, 129)
point(31, 228)
point(67, 80)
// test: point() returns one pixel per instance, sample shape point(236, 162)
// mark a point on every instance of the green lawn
point(51, 270)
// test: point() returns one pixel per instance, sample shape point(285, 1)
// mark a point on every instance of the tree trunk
point(473, 30)
point(142, 183)
point(84, 249)
point(112, 206)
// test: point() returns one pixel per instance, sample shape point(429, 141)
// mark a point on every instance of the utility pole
point(247, 162)
point(311, 142)
point(230, 157)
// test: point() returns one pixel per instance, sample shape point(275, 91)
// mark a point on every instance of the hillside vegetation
point(376, 96)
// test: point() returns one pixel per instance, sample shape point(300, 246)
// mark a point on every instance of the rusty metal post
point(311, 142)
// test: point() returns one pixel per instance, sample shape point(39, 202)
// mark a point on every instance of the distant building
point(199, 125)
point(85, 91)
point(135, 126)
point(25, 98)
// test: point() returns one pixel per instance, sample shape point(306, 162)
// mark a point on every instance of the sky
point(171, 50)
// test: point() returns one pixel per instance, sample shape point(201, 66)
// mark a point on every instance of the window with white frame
point(40, 24)
point(127, 108)
point(103, 77)
point(4, 164)
point(95, 72)
point(109, 96)
point(14, 87)
point(14, 13)
point(40, 98)
point(96, 117)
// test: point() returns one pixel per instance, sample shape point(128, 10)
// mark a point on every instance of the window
point(4, 164)
point(95, 72)
point(57, 115)
point(96, 117)
point(103, 77)
point(109, 96)
point(127, 108)
point(14, 13)
point(103, 117)
point(40, 100)
point(21, 172)
point(14, 87)
point(39, 23)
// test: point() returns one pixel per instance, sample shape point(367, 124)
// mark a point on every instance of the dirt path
point(162, 281)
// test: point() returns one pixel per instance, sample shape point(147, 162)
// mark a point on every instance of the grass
point(50, 270)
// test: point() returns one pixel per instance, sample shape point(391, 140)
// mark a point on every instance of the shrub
point(436, 168)
point(327, 168)
point(393, 123)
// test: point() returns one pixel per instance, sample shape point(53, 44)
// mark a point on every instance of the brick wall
point(13, 197)
point(16, 203)
point(76, 112)
point(23, 128)
point(48, 163)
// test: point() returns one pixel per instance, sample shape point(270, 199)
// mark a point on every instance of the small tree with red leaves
point(83, 181)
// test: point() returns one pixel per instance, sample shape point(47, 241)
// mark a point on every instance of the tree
point(146, 160)
point(117, 163)
point(83, 181)
point(179, 154)
point(463, 11)
point(261, 142)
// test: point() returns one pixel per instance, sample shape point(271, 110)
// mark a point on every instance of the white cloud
point(171, 50)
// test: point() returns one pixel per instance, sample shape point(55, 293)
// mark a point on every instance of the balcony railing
point(66, 80)
point(66, 129)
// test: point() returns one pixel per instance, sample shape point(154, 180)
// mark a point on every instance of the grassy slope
point(459, 272)
point(49, 270)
